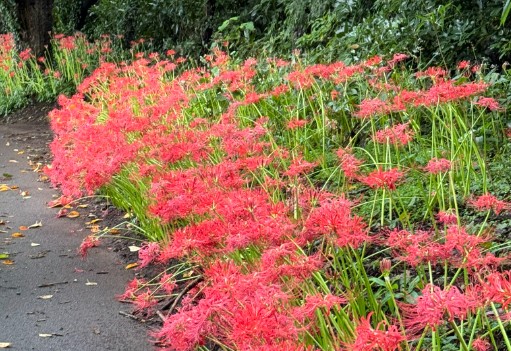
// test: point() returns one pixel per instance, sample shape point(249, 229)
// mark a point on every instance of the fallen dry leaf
point(115, 231)
point(91, 283)
point(36, 225)
point(45, 335)
point(45, 297)
point(4, 345)
point(23, 227)
point(94, 221)
point(73, 214)
point(25, 193)
point(34, 244)
point(133, 248)
point(4, 187)
point(8, 262)
point(17, 235)
point(83, 206)
point(131, 265)
point(13, 161)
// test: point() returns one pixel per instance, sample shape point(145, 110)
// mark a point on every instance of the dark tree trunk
point(208, 32)
point(36, 19)
point(84, 12)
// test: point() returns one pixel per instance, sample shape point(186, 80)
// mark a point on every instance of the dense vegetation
point(293, 202)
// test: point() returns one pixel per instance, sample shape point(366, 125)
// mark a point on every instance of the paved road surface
point(77, 316)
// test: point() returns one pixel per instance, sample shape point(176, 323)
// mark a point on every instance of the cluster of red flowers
point(223, 186)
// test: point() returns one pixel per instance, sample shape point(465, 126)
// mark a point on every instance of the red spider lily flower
point(148, 253)
point(25, 54)
point(334, 220)
point(145, 302)
point(131, 289)
point(398, 134)
point(463, 64)
point(349, 163)
point(88, 243)
point(438, 165)
point(396, 59)
point(384, 337)
point(316, 301)
point(299, 166)
point(371, 107)
point(497, 288)
point(380, 179)
point(296, 123)
point(480, 344)
point(447, 217)
point(167, 283)
point(416, 248)
point(436, 306)
point(488, 202)
point(489, 103)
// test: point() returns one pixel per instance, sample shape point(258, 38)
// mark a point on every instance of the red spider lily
point(148, 253)
point(480, 344)
point(416, 248)
point(497, 288)
point(380, 179)
point(399, 134)
point(296, 123)
point(436, 306)
point(87, 243)
point(447, 217)
point(299, 166)
point(438, 165)
point(333, 220)
point(489, 103)
point(371, 107)
point(488, 202)
point(349, 163)
point(384, 337)
point(463, 64)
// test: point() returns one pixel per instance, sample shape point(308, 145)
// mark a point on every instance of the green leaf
point(3, 256)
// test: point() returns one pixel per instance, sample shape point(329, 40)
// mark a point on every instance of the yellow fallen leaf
point(17, 235)
point(127, 215)
point(4, 345)
point(95, 221)
point(94, 229)
point(131, 265)
point(8, 262)
point(73, 214)
point(21, 152)
point(4, 187)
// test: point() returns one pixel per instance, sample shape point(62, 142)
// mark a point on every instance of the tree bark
point(84, 12)
point(36, 20)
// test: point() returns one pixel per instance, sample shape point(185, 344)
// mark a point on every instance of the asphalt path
point(51, 299)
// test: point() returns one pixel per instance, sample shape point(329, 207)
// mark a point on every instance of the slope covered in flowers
point(317, 207)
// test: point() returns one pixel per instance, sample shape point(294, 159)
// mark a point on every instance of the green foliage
point(8, 18)
point(65, 16)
